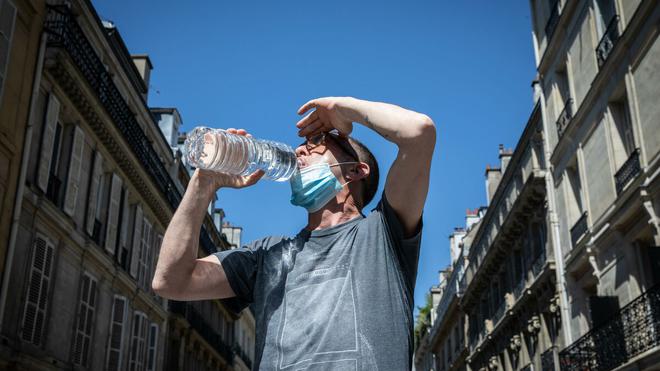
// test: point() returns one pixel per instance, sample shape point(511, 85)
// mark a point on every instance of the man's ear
point(360, 171)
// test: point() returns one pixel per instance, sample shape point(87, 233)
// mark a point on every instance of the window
point(138, 342)
point(575, 204)
point(143, 263)
point(153, 347)
point(562, 87)
point(623, 139)
point(48, 141)
point(92, 225)
point(138, 218)
point(7, 18)
point(36, 303)
point(122, 256)
point(605, 12)
point(86, 308)
point(116, 346)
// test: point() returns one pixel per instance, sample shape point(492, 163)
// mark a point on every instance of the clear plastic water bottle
point(218, 150)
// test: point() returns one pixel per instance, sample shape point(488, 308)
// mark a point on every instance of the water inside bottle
point(217, 150)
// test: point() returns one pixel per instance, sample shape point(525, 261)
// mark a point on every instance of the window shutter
point(84, 329)
point(34, 314)
point(7, 19)
point(73, 181)
point(158, 239)
point(115, 348)
point(123, 229)
point(145, 248)
point(153, 347)
point(137, 240)
point(94, 192)
point(113, 214)
point(48, 139)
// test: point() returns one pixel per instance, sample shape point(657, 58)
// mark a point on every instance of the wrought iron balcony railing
point(203, 328)
point(608, 41)
point(628, 171)
point(499, 312)
point(553, 20)
point(634, 330)
point(519, 288)
point(564, 117)
point(548, 359)
point(579, 229)
point(64, 32)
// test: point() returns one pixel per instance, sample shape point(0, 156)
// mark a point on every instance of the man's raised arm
point(179, 274)
point(414, 133)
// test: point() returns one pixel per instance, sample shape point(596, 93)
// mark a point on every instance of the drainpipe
point(18, 202)
point(554, 223)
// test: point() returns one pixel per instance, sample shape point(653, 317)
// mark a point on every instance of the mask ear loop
point(343, 163)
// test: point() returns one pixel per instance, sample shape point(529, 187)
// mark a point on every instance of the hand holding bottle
point(211, 181)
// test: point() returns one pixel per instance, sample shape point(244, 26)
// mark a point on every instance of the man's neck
point(332, 214)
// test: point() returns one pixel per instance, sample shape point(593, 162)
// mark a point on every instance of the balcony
point(634, 330)
point(548, 359)
point(564, 118)
point(608, 41)
point(203, 328)
point(579, 229)
point(628, 171)
point(64, 32)
point(499, 312)
point(553, 20)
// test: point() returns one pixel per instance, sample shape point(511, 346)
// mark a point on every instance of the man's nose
point(301, 151)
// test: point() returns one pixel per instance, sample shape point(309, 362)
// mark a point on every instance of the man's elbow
point(161, 288)
point(423, 131)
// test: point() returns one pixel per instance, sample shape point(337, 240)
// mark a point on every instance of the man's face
point(324, 147)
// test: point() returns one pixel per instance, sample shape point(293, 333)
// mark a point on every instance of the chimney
point(493, 177)
point(218, 217)
point(233, 234)
point(505, 156)
point(471, 217)
point(169, 121)
point(144, 67)
point(455, 239)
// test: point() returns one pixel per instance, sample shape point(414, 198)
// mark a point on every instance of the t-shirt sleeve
point(405, 247)
point(240, 266)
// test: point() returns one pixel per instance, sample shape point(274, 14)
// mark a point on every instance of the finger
point(311, 128)
point(254, 177)
point(305, 107)
point(307, 120)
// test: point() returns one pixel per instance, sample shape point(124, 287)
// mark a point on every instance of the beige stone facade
point(562, 271)
point(101, 182)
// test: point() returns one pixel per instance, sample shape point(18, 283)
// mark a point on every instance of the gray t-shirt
point(339, 298)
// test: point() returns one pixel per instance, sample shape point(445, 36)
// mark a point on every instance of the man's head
point(358, 167)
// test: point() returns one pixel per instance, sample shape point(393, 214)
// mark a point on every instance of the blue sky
point(251, 64)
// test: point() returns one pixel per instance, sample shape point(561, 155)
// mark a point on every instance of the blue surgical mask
point(314, 186)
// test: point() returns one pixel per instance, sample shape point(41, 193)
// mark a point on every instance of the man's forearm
point(394, 123)
point(181, 240)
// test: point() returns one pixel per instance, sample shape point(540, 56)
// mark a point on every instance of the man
point(339, 294)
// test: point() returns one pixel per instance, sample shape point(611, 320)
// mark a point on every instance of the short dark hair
point(363, 154)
